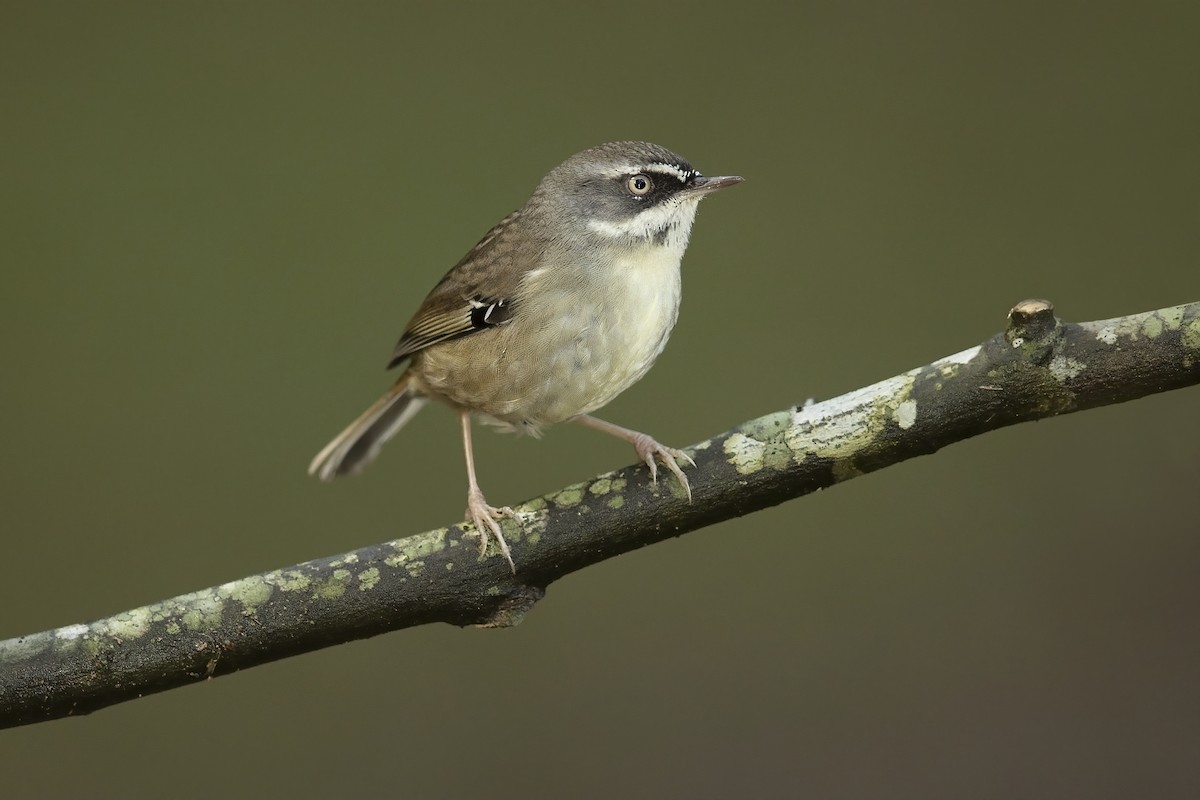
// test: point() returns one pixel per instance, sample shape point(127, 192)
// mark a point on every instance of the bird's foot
point(647, 448)
point(484, 518)
point(652, 452)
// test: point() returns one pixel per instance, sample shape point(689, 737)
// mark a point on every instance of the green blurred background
point(218, 217)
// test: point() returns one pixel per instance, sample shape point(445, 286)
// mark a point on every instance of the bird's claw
point(652, 452)
point(484, 517)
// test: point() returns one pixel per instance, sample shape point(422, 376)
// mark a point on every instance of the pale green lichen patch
point(202, 612)
point(173, 628)
point(344, 560)
point(1172, 317)
point(368, 578)
point(609, 483)
point(292, 580)
point(328, 589)
point(906, 414)
point(412, 548)
point(570, 496)
point(1107, 334)
point(251, 592)
point(415, 568)
point(168, 609)
point(71, 633)
point(533, 523)
point(333, 587)
point(13, 651)
point(744, 453)
point(777, 455)
point(761, 443)
point(1064, 368)
point(128, 625)
point(767, 428)
point(1132, 327)
point(842, 428)
point(1190, 334)
point(616, 501)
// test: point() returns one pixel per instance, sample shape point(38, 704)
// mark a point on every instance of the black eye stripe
point(666, 179)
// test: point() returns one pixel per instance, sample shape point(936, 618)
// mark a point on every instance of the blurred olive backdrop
point(218, 217)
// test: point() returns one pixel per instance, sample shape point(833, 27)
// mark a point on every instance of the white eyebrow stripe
point(674, 170)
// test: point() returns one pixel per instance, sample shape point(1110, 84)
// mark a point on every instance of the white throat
point(668, 225)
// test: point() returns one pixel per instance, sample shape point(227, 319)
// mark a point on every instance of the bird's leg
point(478, 510)
point(647, 449)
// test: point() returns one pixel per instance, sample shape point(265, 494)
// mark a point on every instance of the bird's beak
point(703, 185)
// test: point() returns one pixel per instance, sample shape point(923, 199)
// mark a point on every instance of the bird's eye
point(639, 185)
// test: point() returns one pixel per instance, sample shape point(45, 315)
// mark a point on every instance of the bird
point(559, 308)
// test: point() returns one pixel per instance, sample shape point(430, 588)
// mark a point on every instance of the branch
point(1039, 367)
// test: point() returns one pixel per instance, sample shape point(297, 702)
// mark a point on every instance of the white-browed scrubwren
point(559, 308)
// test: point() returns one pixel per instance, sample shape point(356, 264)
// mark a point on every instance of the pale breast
point(580, 339)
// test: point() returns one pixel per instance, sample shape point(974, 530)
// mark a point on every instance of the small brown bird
point(562, 306)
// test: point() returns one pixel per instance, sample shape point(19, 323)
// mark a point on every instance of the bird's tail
point(357, 446)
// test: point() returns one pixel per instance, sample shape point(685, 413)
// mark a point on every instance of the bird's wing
point(477, 294)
